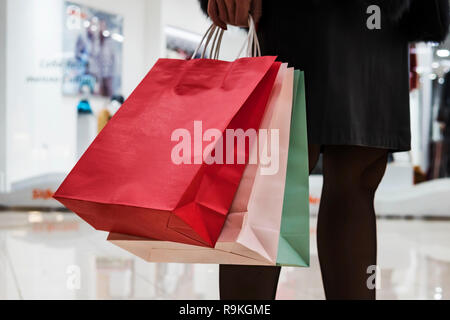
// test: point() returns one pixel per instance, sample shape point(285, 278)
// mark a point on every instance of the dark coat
point(357, 79)
point(425, 20)
point(421, 20)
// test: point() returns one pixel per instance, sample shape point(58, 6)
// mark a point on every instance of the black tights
point(346, 229)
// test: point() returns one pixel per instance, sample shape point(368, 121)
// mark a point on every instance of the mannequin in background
point(106, 113)
point(85, 121)
point(355, 57)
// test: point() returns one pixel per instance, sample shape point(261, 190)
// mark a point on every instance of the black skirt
point(357, 79)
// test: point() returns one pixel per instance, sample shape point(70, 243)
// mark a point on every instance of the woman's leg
point(346, 231)
point(255, 282)
point(238, 282)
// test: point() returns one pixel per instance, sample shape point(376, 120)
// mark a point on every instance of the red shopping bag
point(126, 182)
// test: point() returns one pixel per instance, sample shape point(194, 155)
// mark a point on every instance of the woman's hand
point(234, 12)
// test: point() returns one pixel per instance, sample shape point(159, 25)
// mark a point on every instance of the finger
point(231, 8)
point(242, 12)
point(256, 10)
point(223, 13)
point(213, 12)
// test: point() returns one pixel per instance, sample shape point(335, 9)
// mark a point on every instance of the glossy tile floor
point(58, 256)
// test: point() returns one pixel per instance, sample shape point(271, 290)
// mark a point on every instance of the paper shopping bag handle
point(215, 34)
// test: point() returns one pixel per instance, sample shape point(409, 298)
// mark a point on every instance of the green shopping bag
point(293, 246)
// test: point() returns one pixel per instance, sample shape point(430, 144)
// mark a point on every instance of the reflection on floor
point(58, 256)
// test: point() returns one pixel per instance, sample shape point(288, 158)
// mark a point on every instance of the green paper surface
point(293, 246)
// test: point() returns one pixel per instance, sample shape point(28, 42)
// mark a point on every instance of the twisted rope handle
point(215, 34)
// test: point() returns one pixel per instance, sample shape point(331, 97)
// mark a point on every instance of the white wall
point(41, 123)
point(185, 14)
point(153, 35)
point(2, 96)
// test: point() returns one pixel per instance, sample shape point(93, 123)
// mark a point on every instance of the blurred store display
point(180, 43)
point(107, 112)
point(92, 46)
point(34, 192)
point(86, 129)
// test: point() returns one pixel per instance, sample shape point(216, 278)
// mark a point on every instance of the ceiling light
point(443, 53)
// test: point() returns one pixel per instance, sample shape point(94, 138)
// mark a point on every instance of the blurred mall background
point(65, 68)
